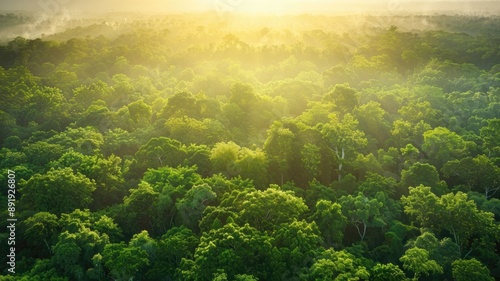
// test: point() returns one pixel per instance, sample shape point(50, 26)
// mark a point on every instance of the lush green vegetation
point(294, 148)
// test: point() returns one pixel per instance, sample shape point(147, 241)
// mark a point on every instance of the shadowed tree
point(278, 146)
point(478, 174)
point(57, 191)
point(464, 270)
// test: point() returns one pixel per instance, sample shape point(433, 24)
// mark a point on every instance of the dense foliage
point(215, 147)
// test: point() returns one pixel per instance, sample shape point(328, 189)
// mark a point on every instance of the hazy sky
point(245, 6)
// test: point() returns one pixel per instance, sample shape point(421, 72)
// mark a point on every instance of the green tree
point(278, 146)
point(144, 242)
point(140, 112)
point(233, 249)
point(160, 152)
point(124, 262)
point(311, 159)
point(223, 157)
point(417, 260)
point(297, 244)
point(41, 153)
point(141, 207)
point(85, 95)
point(471, 269)
point(179, 105)
point(470, 228)
point(464, 221)
point(266, 209)
point(199, 156)
point(189, 130)
point(442, 145)
point(337, 265)
point(243, 95)
point(372, 121)
point(42, 269)
point(362, 212)
point(84, 219)
point(119, 142)
point(330, 220)
point(478, 174)
point(387, 272)
point(106, 173)
point(177, 244)
point(416, 112)
point(423, 174)
point(180, 179)
point(7, 125)
point(253, 164)
point(491, 136)
point(190, 208)
point(375, 183)
point(86, 140)
point(48, 105)
point(40, 231)
point(57, 191)
point(99, 116)
point(344, 139)
point(67, 256)
point(423, 206)
point(342, 95)
point(443, 251)
point(75, 249)
point(404, 133)
point(410, 154)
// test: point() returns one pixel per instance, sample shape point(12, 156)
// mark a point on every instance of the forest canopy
point(252, 147)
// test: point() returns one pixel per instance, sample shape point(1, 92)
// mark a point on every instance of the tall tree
point(344, 139)
point(362, 212)
point(491, 137)
point(278, 146)
point(331, 222)
point(311, 159)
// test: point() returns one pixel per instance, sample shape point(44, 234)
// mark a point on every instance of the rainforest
point(216, 145)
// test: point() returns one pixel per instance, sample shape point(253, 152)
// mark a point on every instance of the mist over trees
point(218, 147)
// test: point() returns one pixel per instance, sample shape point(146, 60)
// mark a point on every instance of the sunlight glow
point(275, 7)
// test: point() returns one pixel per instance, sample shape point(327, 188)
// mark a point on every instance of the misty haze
point(220, 140)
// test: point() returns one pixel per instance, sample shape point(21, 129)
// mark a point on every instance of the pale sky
point(239, 6)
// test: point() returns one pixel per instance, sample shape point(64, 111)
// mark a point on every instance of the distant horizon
point(276, 7)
